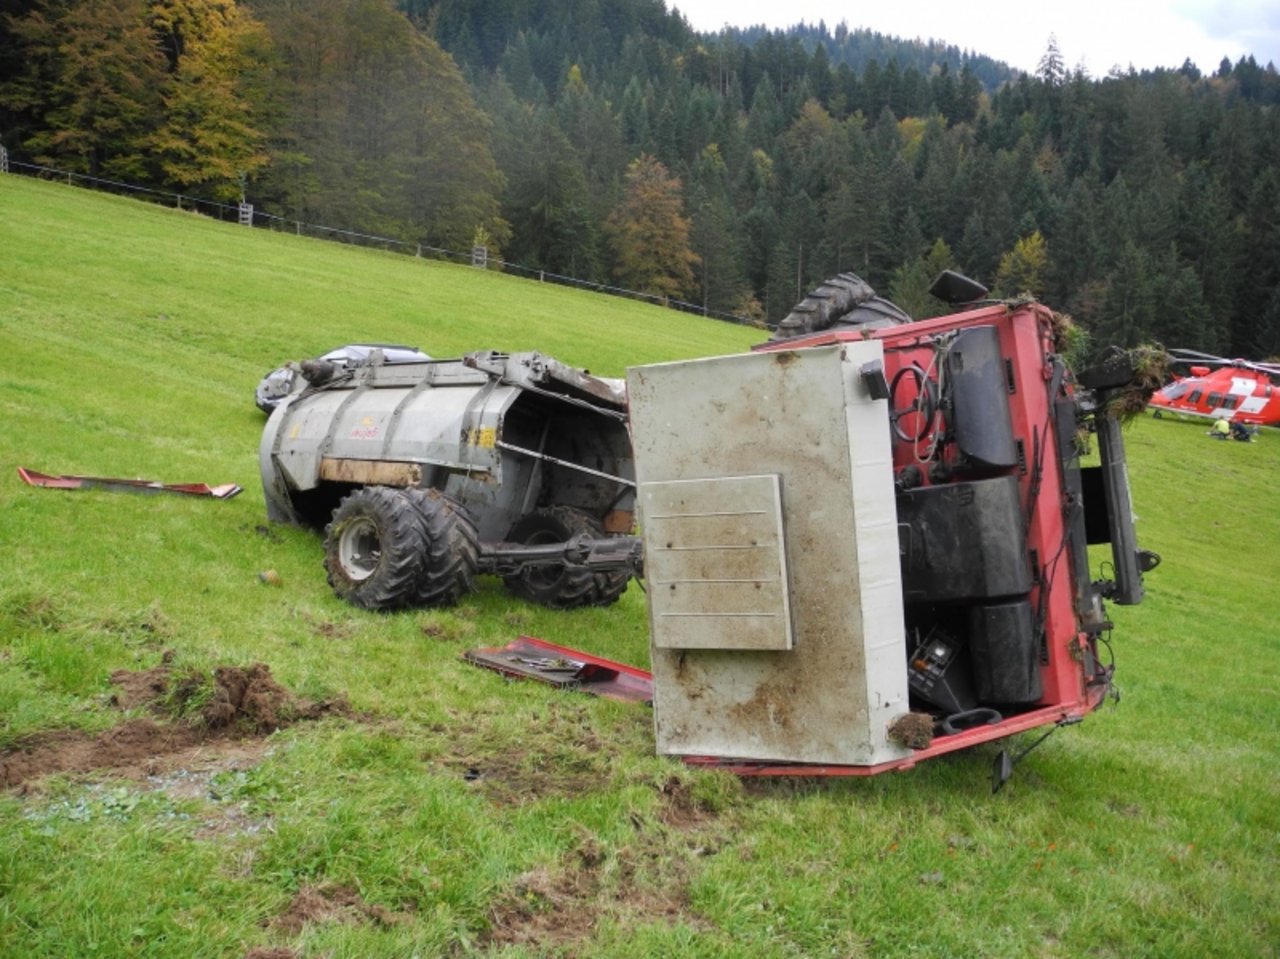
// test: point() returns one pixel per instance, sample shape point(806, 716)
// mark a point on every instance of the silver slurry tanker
point(424, 474)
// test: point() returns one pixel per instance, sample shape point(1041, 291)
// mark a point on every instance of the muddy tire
point(374, 548)
point(452, 547)
point(843, 302)
point(563, 587)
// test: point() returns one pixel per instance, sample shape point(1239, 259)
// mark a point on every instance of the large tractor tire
point(563, 587)
point(374, 548)
point(845, 301)
point(452, 547)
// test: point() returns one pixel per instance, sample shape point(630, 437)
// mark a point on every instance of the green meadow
point(440, 810)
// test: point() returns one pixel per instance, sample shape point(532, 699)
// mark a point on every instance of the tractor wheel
point(843, 302)
point(563, 587)
point(452, 546)
point(374, 548)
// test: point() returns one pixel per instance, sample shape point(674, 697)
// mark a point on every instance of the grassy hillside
point(438, 810)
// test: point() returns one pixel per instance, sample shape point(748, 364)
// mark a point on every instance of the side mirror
point(956, 288)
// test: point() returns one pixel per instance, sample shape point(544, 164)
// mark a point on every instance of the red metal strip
point(46, 481)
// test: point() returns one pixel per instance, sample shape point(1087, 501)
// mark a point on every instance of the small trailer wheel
point(563, 587)
point(374, 548)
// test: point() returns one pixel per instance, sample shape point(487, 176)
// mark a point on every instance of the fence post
point(4, 160)
point(480, 256)
point(246, 214)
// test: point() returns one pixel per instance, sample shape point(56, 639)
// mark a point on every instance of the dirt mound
point(237, 703)
point(250, 697)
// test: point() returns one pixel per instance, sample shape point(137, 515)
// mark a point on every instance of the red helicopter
point(1215, 388)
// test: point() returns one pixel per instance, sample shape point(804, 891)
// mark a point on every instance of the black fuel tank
point(963, 541)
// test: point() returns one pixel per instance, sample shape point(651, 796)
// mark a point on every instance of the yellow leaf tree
point(649, 234)
point(215, 101)
point(1022, 268)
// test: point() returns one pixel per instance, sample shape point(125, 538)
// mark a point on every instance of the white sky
point(1097, 34)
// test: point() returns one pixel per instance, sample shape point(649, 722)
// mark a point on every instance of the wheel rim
point(359, 549)
point(543, 576)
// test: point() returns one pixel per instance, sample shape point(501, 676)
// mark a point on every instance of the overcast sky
point(1097, 34)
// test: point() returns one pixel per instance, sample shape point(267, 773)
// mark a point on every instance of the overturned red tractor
point(866, 542)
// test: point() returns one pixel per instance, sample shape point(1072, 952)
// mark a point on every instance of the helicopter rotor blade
point(1187, 357)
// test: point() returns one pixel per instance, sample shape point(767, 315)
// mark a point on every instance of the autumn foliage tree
point(216, 100)
point(90, 84)
point(648, 233)
point(378, 129)
point(1022, 269)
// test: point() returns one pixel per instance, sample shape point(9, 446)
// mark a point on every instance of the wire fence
point(246, 215)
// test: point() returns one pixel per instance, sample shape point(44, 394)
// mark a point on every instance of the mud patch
point(328, 629)
point(331, 903)
point(681, 809)
point(237, 704)
point(558, 755)
point(141, 689)
point(553, 908)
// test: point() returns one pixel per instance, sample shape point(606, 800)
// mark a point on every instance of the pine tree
point(715, 236)
point(1051, 70)
point(546, 200)
point(910, 286)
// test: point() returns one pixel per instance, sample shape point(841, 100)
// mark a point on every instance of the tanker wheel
point(452, 549)
point(563, 587)
point(374, 548)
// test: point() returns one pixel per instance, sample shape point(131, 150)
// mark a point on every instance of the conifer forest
point(608, 141)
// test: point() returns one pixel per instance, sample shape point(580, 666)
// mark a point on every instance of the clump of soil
point(331, 903)
point(191, 711)
point(912, 730)
point(250, 697)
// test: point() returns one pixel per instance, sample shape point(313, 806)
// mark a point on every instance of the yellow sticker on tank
point(486, 437)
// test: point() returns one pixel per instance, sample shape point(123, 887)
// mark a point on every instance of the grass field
point(438, 810)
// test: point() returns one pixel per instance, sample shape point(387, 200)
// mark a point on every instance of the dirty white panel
point(716, 569)
point(806, 417)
